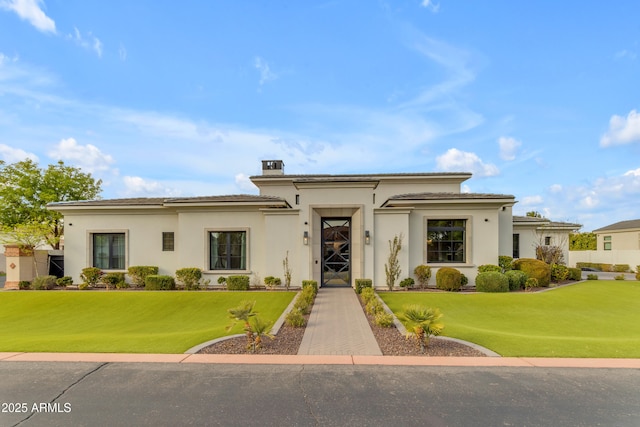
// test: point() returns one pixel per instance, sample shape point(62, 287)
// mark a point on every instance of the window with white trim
point(446, 240)
point(227, 250)
point(108, 250)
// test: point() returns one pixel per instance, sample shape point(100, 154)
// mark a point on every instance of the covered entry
point(336, 251)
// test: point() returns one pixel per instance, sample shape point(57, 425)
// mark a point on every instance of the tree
point(25, 191)
point(582, 242)
point(534, 214)
point(392, 267)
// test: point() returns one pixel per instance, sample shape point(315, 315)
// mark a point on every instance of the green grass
point(128, 322)
point(589, 319)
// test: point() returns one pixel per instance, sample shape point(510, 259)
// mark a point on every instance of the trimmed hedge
point(189, 277)
point(363, 283)
point(492, 281)
point(238, 283)
point(310, 283)
point(64, 281)
point(423, 274)
point(114, 279)
point(138, 274)
point(535, 269)
point(489, 267)
point(448, 279)
point(517, 279)
point(159, 282)
point(91, 275)
point(575, 274)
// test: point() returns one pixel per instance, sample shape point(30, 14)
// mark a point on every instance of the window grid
point(168, 241)
point(109, 251)
point(446, 240)
point(227, 250)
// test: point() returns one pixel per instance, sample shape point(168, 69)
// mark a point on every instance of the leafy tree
point(534, 214)
point(26, 189)
point(582, 242)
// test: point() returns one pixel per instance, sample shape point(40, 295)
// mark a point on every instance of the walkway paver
point(337, 325)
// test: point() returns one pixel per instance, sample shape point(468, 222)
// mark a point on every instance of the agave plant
point(422, 323)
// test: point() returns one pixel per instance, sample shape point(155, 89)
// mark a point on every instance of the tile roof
point(161, 201)
point(449, 196)
point(622, 225)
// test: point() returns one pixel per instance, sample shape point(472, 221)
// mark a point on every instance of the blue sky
point(536, 99)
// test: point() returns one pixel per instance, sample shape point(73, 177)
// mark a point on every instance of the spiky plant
point(259, 328)
point(243, 313)
point(422, 323)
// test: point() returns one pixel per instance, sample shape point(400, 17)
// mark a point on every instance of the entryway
point(336, 252)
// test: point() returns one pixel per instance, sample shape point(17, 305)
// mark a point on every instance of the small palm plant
point(422, 323)
point(243, 313)
point(259, 328)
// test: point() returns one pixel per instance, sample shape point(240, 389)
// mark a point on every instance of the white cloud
point(88, 157)
point(12, 155)
point(622, 130)
point(555, 188)
point(90, 42)
point(462, 161)
point(266, 75)
point(531, 200)
point(429, 4)
point(635, 172)
point(244, 183)
point(508, 147)
point(31, 11)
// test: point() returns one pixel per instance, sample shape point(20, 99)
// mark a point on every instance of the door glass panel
point(336, 252)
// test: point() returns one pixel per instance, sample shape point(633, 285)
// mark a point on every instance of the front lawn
point(589, 319)
point(127, 322)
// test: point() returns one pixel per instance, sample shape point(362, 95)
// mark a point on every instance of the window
point(547, 241)
point(168, 241)
point(109, 251)
point(227, 250)
point(516, 246)
point(607, 243)
point(446, 240)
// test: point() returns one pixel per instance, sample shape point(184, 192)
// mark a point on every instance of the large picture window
point(446, 240)
point(227, 250)
point(109, 251)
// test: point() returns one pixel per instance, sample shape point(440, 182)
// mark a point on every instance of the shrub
point(373, 307)
point(113, 279)
point(531, 283)
point(122, 285)
point(222, 281)
point(310, 283)
point(271, 282)
point(82, 286)
point(637, 268)
point(489, 267)
point(407, 283)
point(384, 320)
point(24, 285)
point(363, 283)
point(295, 319)
point(91, 275)
point(619, 277)
point(189, 277)
point(517, 279)
point(559, 273)
point(159, 282)
point(367, 295)
point(492, 281)
point(621, 268)
point(64, 281)
point(595, 265)
point(464, 280)
point(138, 274)
point(575, 274)
point(392, 267)
point(505, 262)
point(536, 269)
point(238, 283)
point(423, 274)
point(592, 277)
point(302, 304)
point(448, 279)
point(638, 275)
point(44, 283)
point(308, 294)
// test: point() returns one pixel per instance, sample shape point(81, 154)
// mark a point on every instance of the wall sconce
point(367, 237)
point(305, 238)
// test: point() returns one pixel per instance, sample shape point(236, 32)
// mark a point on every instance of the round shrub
point(535, 269)
point(295, 319)
point(238, 283)
point(448, 279)
point(517, 279)
point(64, 281)
point(384, 320)
point(489, 267)
point(374, 307)
point(575, 274)
point(113, 279)
point(44, 283)
point(367, 295)
point(559, 273)
point(138, 274)
point(159, 282)
point(407, 283)
point(189, 277)
point(492, 281)
point(310, 283)
point(423, 274)
point(638, 275)
point(531, 282)
point(24, 285)
point(363, 283)
point(505, 262)
point(91, 275)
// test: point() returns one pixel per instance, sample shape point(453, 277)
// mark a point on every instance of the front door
point(336, 251)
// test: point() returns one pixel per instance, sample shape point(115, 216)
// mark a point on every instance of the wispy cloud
point(136, 186)
point(431, 5)
point(455, 160)
point(31, 11)
point(622, 130)
point(12, 155)
point(266, 74)
point(89, 41)
point(508, 148)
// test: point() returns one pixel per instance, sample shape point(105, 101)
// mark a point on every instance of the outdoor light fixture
point(367, 237)
point(305, 238)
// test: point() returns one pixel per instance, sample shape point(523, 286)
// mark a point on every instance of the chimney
point(272, 167)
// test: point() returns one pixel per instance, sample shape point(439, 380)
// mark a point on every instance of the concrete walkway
point(338, 326)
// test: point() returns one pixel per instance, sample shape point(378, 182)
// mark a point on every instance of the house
point(330, 228)
point(531, 233)
point(618, 243)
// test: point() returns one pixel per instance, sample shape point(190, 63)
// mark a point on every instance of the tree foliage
point(26, 189)
point(534, 214)
point(582, 242)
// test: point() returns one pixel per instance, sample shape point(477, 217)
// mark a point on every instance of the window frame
point(607, 243)
point(516, 246)
point(91, 248)
point(466, 240)
point(207, 261)
point(166, 247)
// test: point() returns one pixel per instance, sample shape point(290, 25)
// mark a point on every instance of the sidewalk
point(338, 326)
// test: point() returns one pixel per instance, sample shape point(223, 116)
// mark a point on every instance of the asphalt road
point(164, 394)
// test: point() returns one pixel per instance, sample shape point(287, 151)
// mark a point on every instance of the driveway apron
point(337, 325)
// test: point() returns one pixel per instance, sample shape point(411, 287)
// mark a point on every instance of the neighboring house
point(617, 243)
point(331, 228)
point(531, 232)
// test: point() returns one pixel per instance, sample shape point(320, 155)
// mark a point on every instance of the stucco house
point(532, 232)
point(331, 228)
point(618, 243)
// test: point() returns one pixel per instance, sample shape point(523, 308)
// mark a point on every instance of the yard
point(128, 322)
point(588, 319)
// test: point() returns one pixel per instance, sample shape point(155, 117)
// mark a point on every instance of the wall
point(631, 257)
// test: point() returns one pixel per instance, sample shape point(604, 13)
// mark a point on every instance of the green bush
point(489, 267)
point(373, 307)
point(189, 277)
point(619, 277)
point(44, 283)
point(238, 283)
point(272, 282)
point(367, 295)
point(505, 262)
point(113, 279)
point(492, 281)
point(407, 283)
point(517, 279)
point(159, 282)
point(531, 282)
point(384, 320)
point(122, 285)
point(559, 273)
point(464, 280)
point(309, 294)
point(64, 281)
point(91, 275)
point(535, 269)
point(637, 268)
point(363, 283)
point(423, 274)
point(638, 275)
point(222, 281)
point(448, 279)
point(310, 283)
point(139, 273)
point(592, 277)
point(621, 268)
point(24, 285)
point(575, 274)
point(303, 305)
point(82, 286)
point(295, 319)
